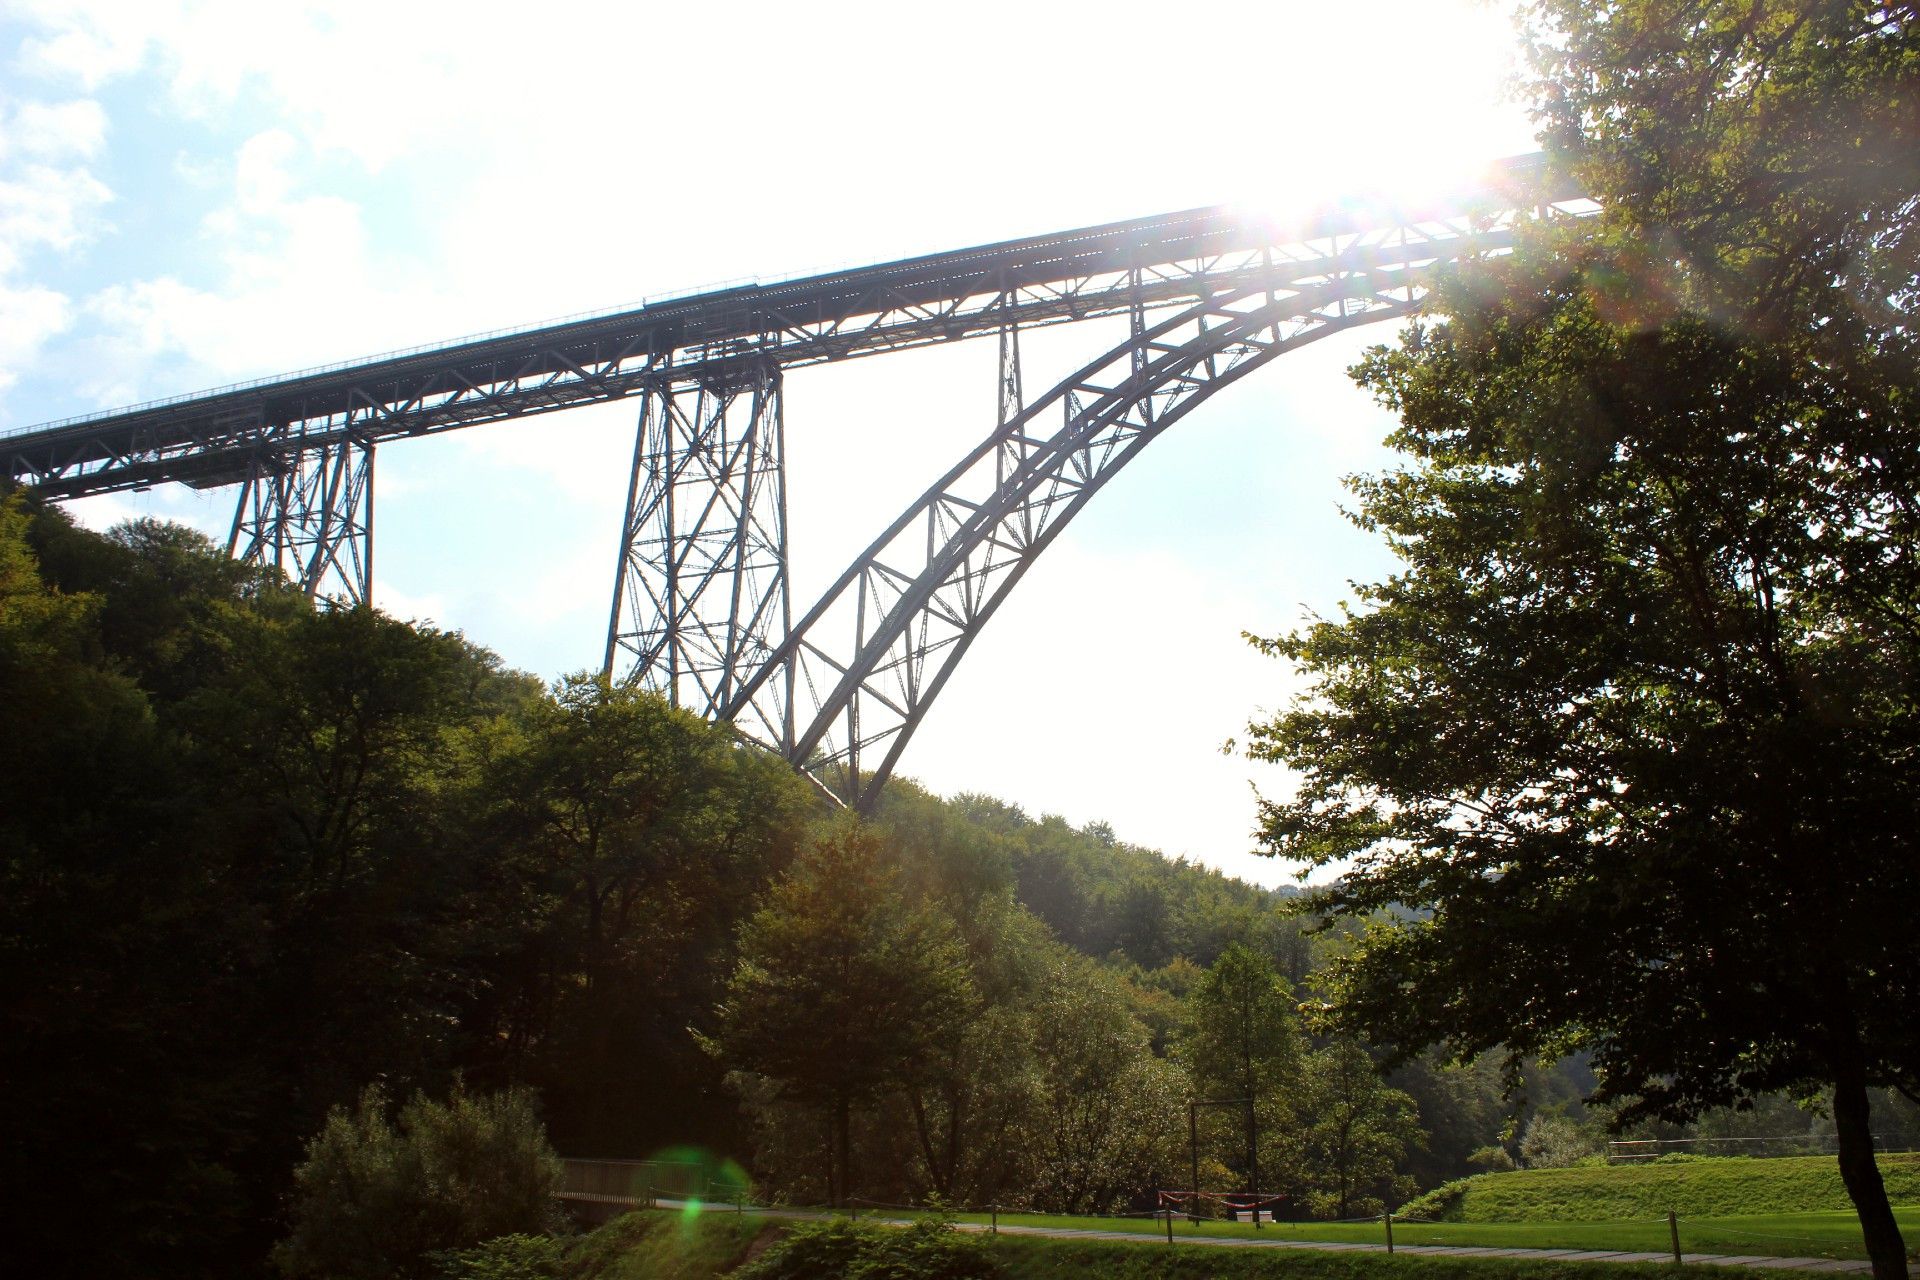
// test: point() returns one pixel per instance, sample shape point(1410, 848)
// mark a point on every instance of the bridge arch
point(879, 646)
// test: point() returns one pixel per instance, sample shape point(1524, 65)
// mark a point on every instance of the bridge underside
point(701, 607)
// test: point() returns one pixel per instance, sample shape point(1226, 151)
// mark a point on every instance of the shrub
point(515, 1257)
point(372, 1200)
point(1491, 1159)
point(1556, 1142)
point(1442, 1204)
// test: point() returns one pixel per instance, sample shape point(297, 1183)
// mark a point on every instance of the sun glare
point(1413, 103)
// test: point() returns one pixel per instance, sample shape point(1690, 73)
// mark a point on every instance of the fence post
point(1387, 1218)
point(853, 1209)
point(993, 1213)
point(1673, 1228)
point(1169, 1224)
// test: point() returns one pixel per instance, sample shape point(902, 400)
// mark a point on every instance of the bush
point(372, 1200)
point(515, 1257)
point(1491, 1159)
point(1556, 1142)
point(1442, 1204)
point(928, 1250)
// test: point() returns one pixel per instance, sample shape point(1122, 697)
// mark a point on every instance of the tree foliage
point(1641, 705)
point(1355, 1133)
point(842, 987)
point(375, 1199)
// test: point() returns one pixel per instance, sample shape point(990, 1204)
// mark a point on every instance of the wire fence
point(1641, 1150)
point(634, 1181)
point(684, 1185)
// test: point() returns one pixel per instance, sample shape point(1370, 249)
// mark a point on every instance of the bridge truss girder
point(1160, 262)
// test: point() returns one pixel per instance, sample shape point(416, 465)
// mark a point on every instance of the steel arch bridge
point(701, 609)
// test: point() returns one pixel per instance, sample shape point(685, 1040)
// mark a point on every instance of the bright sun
point(1353, 120)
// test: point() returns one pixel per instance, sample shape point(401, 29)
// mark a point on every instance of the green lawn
point(1810, 1235)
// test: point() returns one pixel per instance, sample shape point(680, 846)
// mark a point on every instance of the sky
point(193, 194)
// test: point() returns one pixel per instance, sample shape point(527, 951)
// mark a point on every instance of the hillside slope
point(1691, 1187)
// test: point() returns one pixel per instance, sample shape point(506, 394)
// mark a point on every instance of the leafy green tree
point(1355, 1134)
point(1244, 1042)
point(842, 986)
point(1640, 707)
point(375, 1200)
point(633, 837)
point(1112, 1116)
point(1555, 1141)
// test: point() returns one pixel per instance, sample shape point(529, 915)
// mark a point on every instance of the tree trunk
point(1852, 1123)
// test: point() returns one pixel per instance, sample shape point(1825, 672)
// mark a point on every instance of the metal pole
point(1388, 1219)
point(1673, 1229)
point(1169, 1224)
point(1193, 1140)
point(1253, 1162)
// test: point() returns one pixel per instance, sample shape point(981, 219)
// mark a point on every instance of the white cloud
point(29, 319)
point(89, 41)
point(57, 130)
point(428, 607)
point(45, 207)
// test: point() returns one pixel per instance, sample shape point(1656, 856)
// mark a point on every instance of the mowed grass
point(1826, 1234)
point(1692, 1188)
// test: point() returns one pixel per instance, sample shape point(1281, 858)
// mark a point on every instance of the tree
point(841, 987)
point(1355, 1132)
point(374, 1199)
point(1640, 710)
point(1244, 1043)
point(1555, 1141)
point(1110, 1122)
point(633, 837)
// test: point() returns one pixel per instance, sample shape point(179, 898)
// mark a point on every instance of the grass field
point(1807, 1235)
point(665, 1246)
point(1699, 1188)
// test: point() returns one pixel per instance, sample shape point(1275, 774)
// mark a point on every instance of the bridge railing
point(632, 1181)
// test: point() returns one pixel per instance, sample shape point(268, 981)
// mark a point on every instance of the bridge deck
point(215, 437)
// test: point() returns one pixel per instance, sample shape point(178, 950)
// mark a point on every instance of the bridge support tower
point(700, 592)
point(309, 513)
